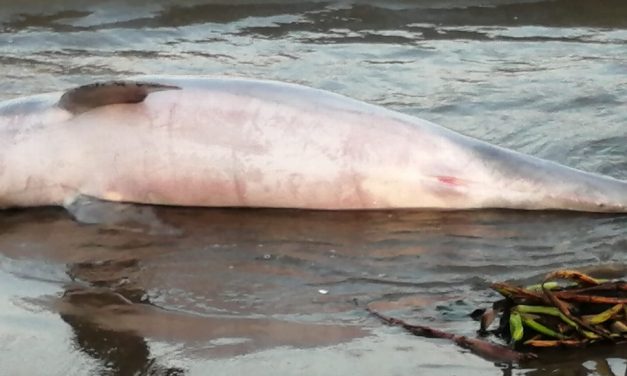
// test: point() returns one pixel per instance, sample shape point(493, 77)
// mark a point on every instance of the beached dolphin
point(227, 142)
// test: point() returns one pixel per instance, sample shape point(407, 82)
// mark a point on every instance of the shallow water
point(284, 292)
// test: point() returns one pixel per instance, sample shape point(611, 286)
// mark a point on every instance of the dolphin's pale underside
point(228, 142)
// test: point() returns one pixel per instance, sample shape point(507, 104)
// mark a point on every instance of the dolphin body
point(226, 142)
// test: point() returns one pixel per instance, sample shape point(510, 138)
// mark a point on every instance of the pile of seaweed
point(568, 309)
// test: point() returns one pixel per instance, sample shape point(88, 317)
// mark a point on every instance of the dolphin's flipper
point(116, 215)
point(84, 98)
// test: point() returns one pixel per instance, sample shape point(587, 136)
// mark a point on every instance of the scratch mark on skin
point(171, 114)
point(358, 190)
point(240, 189)
point(115, 163)
point(171, 154)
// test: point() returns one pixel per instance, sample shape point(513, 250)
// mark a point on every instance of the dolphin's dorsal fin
point(84, 98)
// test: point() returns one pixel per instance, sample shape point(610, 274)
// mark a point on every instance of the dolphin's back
point(28, 105)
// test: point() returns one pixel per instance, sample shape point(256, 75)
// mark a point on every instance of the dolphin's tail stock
point(533, 183)
point(590, 192)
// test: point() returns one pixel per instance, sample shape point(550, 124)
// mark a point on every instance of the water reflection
point(120, 353)
point(241, 281)
point(602, 361)
point(110, 309)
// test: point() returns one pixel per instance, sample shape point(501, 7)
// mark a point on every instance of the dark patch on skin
point(87, 97)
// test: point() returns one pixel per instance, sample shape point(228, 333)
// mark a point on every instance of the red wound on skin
point(450, 180)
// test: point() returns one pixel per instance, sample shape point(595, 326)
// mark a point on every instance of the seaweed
point(568, 309)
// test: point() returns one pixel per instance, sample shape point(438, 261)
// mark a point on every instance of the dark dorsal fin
point(84, 98)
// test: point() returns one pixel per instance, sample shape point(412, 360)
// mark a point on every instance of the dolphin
point(235, 142)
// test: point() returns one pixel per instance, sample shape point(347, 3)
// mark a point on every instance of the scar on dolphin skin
point(451, 180)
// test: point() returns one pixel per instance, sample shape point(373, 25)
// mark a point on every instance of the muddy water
point(272, 292)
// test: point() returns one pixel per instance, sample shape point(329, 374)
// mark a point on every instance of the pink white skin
point(246, 143)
